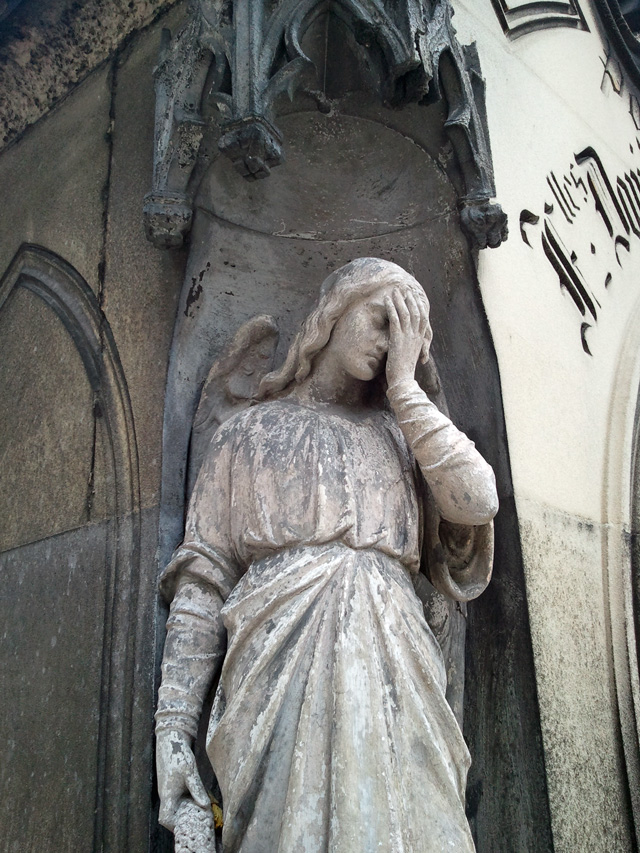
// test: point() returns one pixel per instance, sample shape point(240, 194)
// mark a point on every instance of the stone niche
point(362, 179)
point(358, 180)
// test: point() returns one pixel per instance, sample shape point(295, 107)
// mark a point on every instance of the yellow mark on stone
point(217, 812)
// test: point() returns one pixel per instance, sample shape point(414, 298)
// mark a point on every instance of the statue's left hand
point(409, 335)
point(177, 774)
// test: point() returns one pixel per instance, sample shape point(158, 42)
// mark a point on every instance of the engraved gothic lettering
point(586, 188)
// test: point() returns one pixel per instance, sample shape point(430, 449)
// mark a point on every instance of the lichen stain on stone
point(195, 291)
point(46, 49)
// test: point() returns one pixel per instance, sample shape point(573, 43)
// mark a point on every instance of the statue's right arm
point(194, 649)
point(198, 579)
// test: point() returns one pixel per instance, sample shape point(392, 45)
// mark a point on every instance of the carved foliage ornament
point(242, 56)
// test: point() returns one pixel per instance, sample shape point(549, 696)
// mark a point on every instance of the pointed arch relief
point(76, 575)
point(220, 84)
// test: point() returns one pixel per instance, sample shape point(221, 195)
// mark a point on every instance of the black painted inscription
point(585, 187)
point(519, 17)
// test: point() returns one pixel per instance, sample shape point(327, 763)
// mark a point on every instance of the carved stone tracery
point(240, 58)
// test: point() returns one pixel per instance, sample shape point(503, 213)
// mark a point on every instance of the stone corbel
point(242, 56)
point(180, 78)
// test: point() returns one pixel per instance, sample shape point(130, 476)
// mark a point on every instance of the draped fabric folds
point(330, 731)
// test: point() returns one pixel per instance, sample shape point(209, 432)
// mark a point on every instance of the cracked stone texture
point(77, 190)
point(46, 49)
point(141, 283)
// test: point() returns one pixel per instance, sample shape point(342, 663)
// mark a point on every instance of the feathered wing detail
point(232, 384)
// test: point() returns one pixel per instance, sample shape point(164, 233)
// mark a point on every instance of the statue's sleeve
point(457, 558)
point(196, 582)
point(207, 553)
point(462, 498)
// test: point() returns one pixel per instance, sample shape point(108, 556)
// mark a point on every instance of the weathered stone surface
point(51, 664)
point(46, 49)
point(507, 799)
point(330, 716)
point(501, 739)
point(142, 284)
point(142, 824)
point(583, 748)
point(47, 440)
point(52, 613)
point(234, 272)
point(75, 189)
point(243, 60)
point(109, 482)
point(7, 6)
point(360, 174)
point(567, 374)
point(56, 176)
point(232, 384)
point(70, 187)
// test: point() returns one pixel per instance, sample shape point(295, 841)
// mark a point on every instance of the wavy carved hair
point(344, 287)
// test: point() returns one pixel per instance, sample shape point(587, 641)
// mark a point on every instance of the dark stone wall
point(82, 375)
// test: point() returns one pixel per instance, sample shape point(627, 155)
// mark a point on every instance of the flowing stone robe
point(330, 730)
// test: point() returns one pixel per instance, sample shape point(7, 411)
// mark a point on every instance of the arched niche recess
point(365, 180)
point(622, 552)
point(70, 569)
point(359, 180)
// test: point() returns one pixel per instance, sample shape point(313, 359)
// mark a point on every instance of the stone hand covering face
point(330, 731)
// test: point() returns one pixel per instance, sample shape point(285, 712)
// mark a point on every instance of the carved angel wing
point(232, 384)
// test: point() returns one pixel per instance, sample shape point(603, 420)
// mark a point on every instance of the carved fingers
point(177, 775)
point(409, 334)
point(420, 325)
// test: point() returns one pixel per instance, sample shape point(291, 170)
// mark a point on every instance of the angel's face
point(360, 339)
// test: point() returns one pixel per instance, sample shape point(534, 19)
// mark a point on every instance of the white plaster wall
point(546, 101)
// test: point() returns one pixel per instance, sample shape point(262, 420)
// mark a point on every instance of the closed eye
point(379, 318)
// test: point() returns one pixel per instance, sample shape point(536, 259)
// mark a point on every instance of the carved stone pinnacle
point(240, 58)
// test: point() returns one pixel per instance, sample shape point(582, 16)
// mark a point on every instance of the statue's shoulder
point(264, 415)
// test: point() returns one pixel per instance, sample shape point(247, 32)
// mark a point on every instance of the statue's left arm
point(461, 481)
point(459, 528)
point(461, 500)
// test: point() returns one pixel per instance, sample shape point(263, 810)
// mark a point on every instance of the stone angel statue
point(330, 730)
